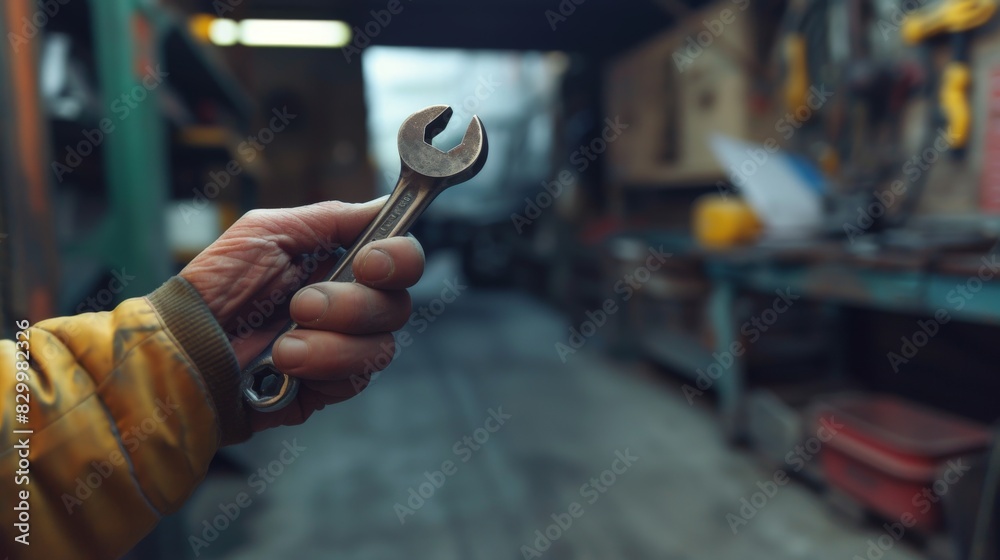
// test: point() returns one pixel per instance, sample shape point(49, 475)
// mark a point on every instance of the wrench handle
point(264, 387)
point(400, 211)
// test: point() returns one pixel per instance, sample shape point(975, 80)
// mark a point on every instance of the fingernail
point(377, 265)
point(311, 305)
point(293, 352)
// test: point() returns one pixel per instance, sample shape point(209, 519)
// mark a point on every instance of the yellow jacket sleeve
point(108, 421)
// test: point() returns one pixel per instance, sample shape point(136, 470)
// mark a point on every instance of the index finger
point(324, 223)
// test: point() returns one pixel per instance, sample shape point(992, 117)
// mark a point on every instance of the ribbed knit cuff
point(190, 321)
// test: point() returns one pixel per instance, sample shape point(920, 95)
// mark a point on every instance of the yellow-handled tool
point(950, 16)
point(797, 78)
point(954, 99)
point(958, 17)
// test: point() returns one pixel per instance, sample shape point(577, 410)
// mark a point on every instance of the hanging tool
point(796, 88)
point(959, 18)
point(949, 16)
point(425, 172)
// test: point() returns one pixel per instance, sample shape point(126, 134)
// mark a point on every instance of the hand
point(247, 276)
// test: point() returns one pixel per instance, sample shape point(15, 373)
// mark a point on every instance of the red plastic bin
point(893, 455)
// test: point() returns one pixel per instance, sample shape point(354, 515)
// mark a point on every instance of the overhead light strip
point(279, 33)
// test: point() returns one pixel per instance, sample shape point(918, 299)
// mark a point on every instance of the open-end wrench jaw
point(475, 146)
point(459, 164)
point(437, 124)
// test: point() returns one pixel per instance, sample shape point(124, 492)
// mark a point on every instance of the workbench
point(921, 282)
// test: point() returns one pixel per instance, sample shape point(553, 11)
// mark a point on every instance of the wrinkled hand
point(248, 275)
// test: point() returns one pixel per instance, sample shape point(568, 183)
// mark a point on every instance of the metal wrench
point(425, 172)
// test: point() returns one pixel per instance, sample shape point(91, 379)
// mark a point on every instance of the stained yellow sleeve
point(122, 425)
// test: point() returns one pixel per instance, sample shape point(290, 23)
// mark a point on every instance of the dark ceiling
point(598, 27)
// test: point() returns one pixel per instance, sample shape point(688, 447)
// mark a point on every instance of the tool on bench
point(426, 172)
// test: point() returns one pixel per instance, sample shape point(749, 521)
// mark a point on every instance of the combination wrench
point(425, 172)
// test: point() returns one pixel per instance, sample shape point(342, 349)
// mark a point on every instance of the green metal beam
point(134, 150)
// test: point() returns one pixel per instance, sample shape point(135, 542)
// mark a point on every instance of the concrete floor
point(488, 351)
